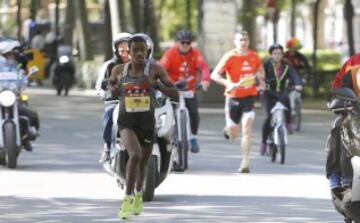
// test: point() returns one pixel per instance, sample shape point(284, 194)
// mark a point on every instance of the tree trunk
point(200, 16)
point(69, 23)
point(137, 15)
point(314, 57)
point(115, 16)
point(35, 4)
point(57, 2)
point(188, 15)
point(153, 28)
point(249, 21)
point(321, 24)
point(107, 34)
point(84, 33)
point(18, 19)
point(349, 15)
point(122, 15)
point(293, 18)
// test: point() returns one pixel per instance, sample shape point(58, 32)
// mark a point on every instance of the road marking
point(81, 135)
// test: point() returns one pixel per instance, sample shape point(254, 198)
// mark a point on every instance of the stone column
point(216, 38)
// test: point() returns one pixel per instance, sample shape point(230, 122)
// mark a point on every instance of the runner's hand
point(205, 85)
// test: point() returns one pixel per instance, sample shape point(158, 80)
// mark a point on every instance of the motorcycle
point(14, 126)
point(160, 161)
point(349, 104)
point(64, 71)
point(278, 137)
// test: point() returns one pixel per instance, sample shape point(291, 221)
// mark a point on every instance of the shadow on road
point(170, 208)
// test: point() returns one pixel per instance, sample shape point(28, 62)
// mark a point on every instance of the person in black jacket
point(278, 76)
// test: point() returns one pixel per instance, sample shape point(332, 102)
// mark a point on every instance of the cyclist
point(134, 84)
point(182, 62)
point(296, 58)
point(242, 66)
point(277, 74)
point(120, 51)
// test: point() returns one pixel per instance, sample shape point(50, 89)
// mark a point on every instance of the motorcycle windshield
point(10, 78)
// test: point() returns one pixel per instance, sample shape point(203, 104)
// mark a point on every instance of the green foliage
point(172, 15)
point(327, 59)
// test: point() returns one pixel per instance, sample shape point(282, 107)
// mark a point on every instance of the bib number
point(137, 103)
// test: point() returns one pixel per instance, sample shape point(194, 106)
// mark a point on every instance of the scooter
point(160, 161)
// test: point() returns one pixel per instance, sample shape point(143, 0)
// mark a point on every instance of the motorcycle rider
point(278, 73)
point(120, 52)
point(352, 61)
point(338, 165)
point(183, 62)
point(64, 70)
point(10, 53)
point(134, 83)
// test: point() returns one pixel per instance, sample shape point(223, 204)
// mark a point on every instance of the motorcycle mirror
point(33, 70)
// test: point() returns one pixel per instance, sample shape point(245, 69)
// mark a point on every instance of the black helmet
point(184, 35)
point(276, 46)
point(148, 42)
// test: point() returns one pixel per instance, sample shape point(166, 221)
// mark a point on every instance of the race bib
point(137, 99)
point(137, 104)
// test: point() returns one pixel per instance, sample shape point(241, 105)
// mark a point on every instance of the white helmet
point(119, 38)
point(8, 45)
point(149, 43)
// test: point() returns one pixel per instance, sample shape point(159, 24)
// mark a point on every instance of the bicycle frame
point(179, 110)
point(278, 121)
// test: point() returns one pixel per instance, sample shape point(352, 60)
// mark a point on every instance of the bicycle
point(182, 138)
point(278, 136)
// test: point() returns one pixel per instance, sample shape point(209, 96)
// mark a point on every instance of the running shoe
point(125, 209)
point(137, 204)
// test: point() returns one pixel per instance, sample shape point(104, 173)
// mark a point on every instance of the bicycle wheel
point(297, 116)
point(273, 152)
point(184, 144)
point(281, 135)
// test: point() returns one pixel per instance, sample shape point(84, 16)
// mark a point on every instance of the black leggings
point(192, 105)
point(269, 100)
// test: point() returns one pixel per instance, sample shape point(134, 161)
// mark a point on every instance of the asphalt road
point(61, 180)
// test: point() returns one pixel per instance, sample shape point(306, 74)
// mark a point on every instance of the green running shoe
point(137, 204)
point(125, 209)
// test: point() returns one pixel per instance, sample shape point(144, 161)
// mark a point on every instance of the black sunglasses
point(185, 42)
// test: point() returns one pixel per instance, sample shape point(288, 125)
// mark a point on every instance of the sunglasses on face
point(185, 42)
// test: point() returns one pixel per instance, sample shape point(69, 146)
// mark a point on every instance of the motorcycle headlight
point(7, 98)
point(64, 59)
point(24, 97)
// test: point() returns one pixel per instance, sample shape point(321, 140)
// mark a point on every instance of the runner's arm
point(205, 71)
